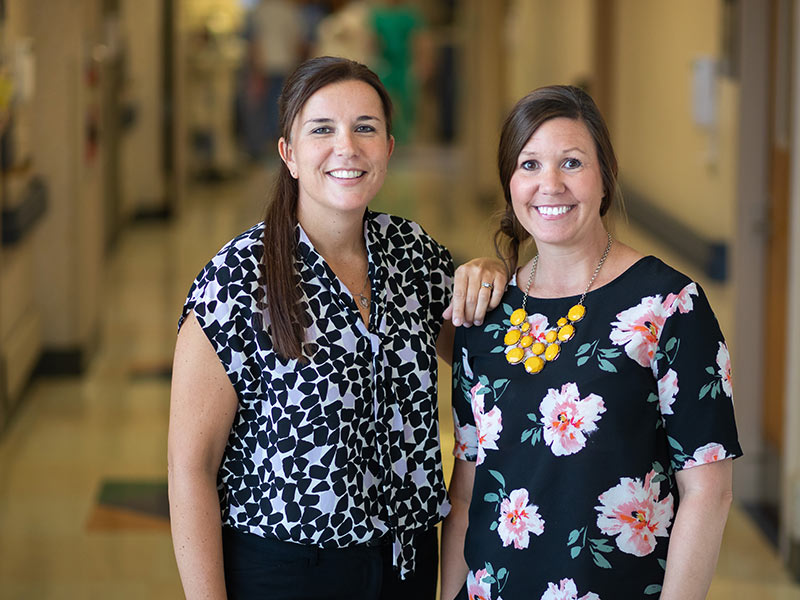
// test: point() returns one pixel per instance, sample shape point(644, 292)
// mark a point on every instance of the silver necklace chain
point(363, 300)
point(588, 286)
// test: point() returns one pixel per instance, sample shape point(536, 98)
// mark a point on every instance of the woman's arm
point(202, 407)
point(705, 498)
point(454, 529)
point(472, 300)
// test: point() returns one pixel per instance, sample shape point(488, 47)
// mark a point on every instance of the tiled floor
point(83, 465)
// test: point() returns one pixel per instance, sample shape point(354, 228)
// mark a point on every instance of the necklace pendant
point(363, 301)
point(576, 313)
point(518, 316)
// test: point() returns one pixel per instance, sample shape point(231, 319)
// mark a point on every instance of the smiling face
point(557, 186)
point(338, 151)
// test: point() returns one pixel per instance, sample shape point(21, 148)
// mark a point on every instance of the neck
point(335, 237)
point(565, 271)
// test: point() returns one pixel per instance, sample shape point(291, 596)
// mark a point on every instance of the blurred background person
point(276, 42)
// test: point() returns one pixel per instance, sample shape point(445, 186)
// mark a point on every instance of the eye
point(365, 129)
point(529, 165)
point(572, 163)
point(322, 130)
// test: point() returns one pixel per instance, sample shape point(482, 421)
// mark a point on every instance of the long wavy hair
point(541, 105)
point(280, 279)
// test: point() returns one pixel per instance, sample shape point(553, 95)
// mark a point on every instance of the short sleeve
point(222, 301)
point(693, 371)
point(465, 430)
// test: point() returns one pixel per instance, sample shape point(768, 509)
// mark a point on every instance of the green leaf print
point(494, 329)
point(573, 537)
point(603, 355)
point(652, 589)
point(600, 560)
point(610, 352)
point(606, 366)
point(601, 545)
point(674, 443)
point(575, 551)
point(498, 476)
point(491, 497)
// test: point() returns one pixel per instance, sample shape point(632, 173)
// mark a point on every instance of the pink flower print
point(633, 513)
point(682, 301)
point(518, 519)
point(539, 326)
point(639, 328)
point(566, 590)
point(567, 419)
point(488, 426)
point(667, 390)
point(477, 589)
point(466, 439)
point(706, 454)
point(724, 364)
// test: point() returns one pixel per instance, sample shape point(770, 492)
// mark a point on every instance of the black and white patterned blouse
point(343, 449)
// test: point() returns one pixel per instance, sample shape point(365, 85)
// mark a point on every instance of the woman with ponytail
point(304, 453)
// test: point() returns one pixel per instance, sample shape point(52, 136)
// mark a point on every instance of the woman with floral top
point(304, 456)
point(593, 409)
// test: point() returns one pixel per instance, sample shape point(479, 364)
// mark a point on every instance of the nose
point(551, 182)
point(345, 144)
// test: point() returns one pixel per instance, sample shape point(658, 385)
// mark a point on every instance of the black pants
point(257, 567)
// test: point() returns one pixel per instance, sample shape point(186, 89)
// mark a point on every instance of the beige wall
point(69, 242)
point(547, 43)
point(142, 150)
point(687, 170)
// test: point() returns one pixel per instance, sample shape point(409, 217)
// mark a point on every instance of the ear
point(287, 156)
point(391, 146)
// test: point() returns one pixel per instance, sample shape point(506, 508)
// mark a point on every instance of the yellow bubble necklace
point(534, 352)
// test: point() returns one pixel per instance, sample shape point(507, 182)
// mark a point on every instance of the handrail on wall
point(710, 256)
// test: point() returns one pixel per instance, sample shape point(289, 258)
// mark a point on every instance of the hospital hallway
point(137, 137)
point(83, 507)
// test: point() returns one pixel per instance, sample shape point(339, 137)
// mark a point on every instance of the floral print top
point(575, 492)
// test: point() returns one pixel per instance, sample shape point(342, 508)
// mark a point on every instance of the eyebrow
point(329, 120)
point(565, 151)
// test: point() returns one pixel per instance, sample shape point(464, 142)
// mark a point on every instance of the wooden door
point(776, 274)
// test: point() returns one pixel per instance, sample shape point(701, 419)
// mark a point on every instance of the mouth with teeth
point(346, 174)
point(553, 211)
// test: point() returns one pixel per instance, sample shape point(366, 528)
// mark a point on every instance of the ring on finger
point(487, 285)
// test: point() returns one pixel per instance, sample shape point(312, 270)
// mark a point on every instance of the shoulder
point(400, 233)
point(650, 276)
point(235, 267)
point(662, 274)
point(245, 249)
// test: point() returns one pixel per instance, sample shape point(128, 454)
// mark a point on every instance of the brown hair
point(279, 276)
point(544, 104)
